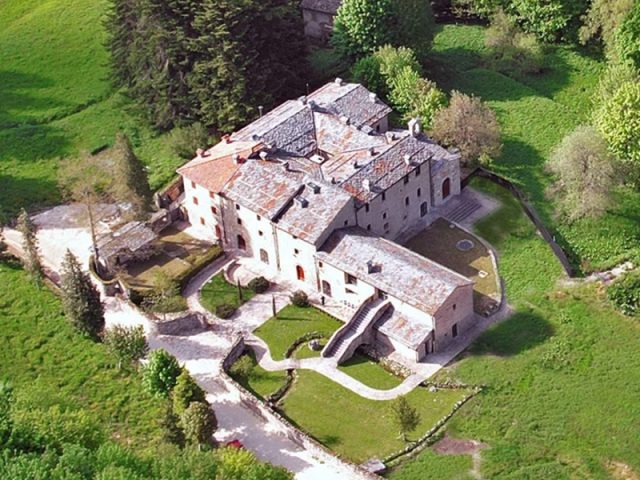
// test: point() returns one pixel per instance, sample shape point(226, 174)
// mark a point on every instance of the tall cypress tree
point(132, 185)
point(31, 259)
point(80, 298)
point(121, 24)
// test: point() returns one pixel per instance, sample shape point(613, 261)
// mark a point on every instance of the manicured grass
point(219, 292)
point(353, 426)
point(431, 466)
point(303, 351)
point(49, 363)
point(261, 382)
point(439, 243)
point(290, 324)
point(535, 112)
point(370, 373)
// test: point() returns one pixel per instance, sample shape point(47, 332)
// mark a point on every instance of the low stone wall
point(180, 323)
point(268, 413)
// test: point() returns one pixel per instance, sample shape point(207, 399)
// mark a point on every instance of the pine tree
point(121, 24)
point(80, 298)
point(132, 185)
point(185, 392)
point(405, 416)
point(31, 259)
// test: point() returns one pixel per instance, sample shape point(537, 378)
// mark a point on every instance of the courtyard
point(462, 252)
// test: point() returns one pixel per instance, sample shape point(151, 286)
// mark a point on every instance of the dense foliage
point(185, 141)
point(627, 37)
point(602, 20)
point(31, 259)
point(80, 298)
point(625, 293)
point(132, 184)
point(126, 344)
point(161, 373)
point(416, 97)
point(300, 299)
point(259, 284)
point(198, 423)
point(469, 125)
point(585, 172)
point(209, 60)
point(185, 392)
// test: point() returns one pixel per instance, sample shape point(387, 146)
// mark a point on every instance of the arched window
point(264, 256)
point(446, 188)
point(300, 273)
point(218, 232)
point(326, 288)
point(242, 245)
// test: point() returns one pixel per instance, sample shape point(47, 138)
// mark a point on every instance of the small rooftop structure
point(411, 278)
point(131, 241)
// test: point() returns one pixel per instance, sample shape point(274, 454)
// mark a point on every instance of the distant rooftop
point(324, 6)
point(130, 237)
point(391, 268)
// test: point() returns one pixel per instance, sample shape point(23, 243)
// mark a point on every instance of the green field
point(218, 291)
point(49, 363)
point(370, 373)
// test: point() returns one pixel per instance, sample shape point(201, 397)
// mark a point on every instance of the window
point(386, 227)
point(384, 216)
point(446, 188)
point(320, 264)
point(326, 288)
point(202, 221)
point(454, 306)
point(350, 279)
point(242, 245)
point(454, 330)
point(424, 209)
point(237, 207)
point(260, 232)
point(346, 222)
point(378, 128)
point(239, 220)
point(212, 195)
point(417, 171)
point(218, 232)
point(406, 201)
point(264, 256)
point(193, 184)
point(419, 192)
point(258, 217)
point(369, 227)
point(384, 196)
point(366, 208)
point(214, 210)
point(406, 179)
point(300, 273)
point(296, 251)
point(195, 200)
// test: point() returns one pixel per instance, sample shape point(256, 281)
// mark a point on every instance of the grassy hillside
point(56, 98)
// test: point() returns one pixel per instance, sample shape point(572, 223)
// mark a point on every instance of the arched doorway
point(300, 273)
point(326, 288)
point(242, 245)
point(264, 256)
point(446, 188)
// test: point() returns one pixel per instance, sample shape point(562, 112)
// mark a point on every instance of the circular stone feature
point(465, 245)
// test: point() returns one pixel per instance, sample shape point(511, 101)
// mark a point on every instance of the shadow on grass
point(19, 192)
point(521, 332)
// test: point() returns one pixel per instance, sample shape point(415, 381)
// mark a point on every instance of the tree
point(165, 297)
point(366, 71)
point(416, 97)
point(132, 185)
point(469, 125)
point(585, 174)
point(185, 392)
point(186, 140)
point(241, 464)
point(87, 180)
point(199, 424)
point(160, 374)
point(243, 367)
point(625, 293)
point(31, 258)
point(121, 24)
point(512, 50)
point(362, 26)
point(614, 77)
point(618, 120)
point(404, 416)
point(627, 37)
point(127, 344)
point(170, 424)
point(80, 298)
point(415, 25)
point(602, 20)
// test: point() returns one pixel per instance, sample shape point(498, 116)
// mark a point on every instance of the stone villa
point(317, 190)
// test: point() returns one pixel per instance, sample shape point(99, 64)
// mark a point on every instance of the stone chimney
point(366, 184)
point(414, 127)
point(199, 153)
point(407, 159)
point(373, 98)
point(303, 100)
point(390, 136)
point(338, 81)
point(263, 155)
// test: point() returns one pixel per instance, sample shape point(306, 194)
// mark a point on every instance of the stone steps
point(462, 211)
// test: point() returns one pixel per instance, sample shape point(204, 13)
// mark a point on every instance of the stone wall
point(180, 323)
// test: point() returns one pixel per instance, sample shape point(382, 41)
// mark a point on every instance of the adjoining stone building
point(317, 190)
point(318, 16)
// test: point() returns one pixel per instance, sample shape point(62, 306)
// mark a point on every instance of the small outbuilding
point(133, 241)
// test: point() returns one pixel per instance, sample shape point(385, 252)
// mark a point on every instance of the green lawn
point(49, 363)
point(431, 466)
point(57, 99)
point(218, 291)
point(353, 426)
point(261, 382)
point(290, 324)
point(370, 373)
point(535, 112)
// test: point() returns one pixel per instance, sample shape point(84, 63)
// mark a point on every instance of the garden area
point(456, 249)
point(222, 298)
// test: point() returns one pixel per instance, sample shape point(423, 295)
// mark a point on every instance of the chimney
point(373, 98)
point(355, 164)
point(237, 159)
point(263, 155)
point(390, 136)
point(200, 152)
point(315, 188)
point(372, 267)
point(339, 82)
point(226, 138)
point(286, 166)
point(333, 180)
point(414, 127)
point(303, 202)
point(346, 120)
point(366, 184)
point(407, 159)
point(303, 100)
point(372, 152)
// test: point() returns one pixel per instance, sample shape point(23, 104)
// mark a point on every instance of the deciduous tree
point(80, 298)
point(161, 373)
point(469, 125)
point(31, 259)
point(585, 174)
point(404, 416)
point(627, 37)
point(602, 20)
point(127, 344)
point(414, 96)
point(185, 392)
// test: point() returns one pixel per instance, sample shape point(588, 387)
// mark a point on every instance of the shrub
point(225, 310)
point(300, 299)
point(199, 423)
point(185, 141)
point(513, 51)
point(625, 293)
point(185, 392)
point(161, 373)
point(243, 367)
point(394, 60)
point(602, 20)
point(127, 344)
point(469, 125)
point(259, 285)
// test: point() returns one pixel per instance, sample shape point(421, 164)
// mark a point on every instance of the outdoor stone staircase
point(344, 342)
point(462, 211)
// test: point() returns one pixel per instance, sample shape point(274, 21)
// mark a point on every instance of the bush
point(185, 141)
point(300, 299)
point(127, 344)
point(627, 37)
point(469, 125)
point(259, 285)
point(185, 392)
point(225, 310)
point(624, 293)
point(367, 72)
point(161, 373)
point(243, 367)
point(393, 61)
point(199, 423)
point(416, 97)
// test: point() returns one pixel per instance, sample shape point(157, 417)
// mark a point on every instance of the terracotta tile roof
point(216, 165)
point(396, 270)
point(324, 6)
